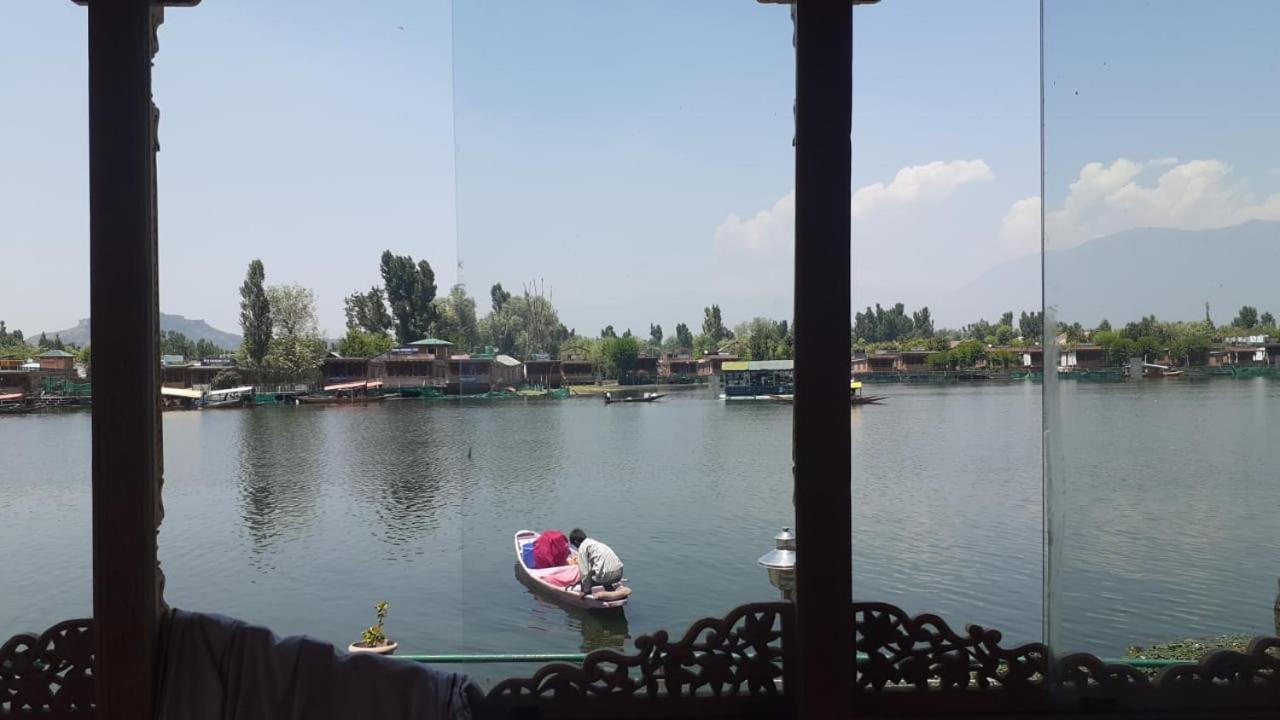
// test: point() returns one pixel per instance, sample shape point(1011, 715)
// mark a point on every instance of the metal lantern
point(781, 563)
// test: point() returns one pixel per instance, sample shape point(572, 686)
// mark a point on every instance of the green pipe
point(496, 658)
point(579, 657)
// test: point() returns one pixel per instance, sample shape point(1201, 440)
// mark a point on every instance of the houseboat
point(757, 379)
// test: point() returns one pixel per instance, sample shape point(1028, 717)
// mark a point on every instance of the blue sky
point(635, 156)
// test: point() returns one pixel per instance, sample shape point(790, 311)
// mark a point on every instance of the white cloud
point(769, 232)
point(1107, 199)
point(762, 234)
point(1194, 195)
point(1020, 231)
point(932, 181)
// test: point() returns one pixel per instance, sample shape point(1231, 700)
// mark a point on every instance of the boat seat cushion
point(621, 593)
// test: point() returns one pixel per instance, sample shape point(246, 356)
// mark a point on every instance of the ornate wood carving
point(925, 653)
point(50, 675)
point(738, 658)
point(735, 666)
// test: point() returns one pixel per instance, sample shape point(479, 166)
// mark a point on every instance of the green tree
point(367, 311)
point(616, 356)
point(1149, 347)
point(1267, 320)
point(684, 338)
point(498, 297)
point(207, 349)
point(713, 325)
point(655, 335)
point(968, 353)
point(525, 325)
point(57, 343)
point(922, 323)
point(362, 344)
point(1004, 334)
point(1105, 325)
point(1121, 350)
point(43, 343)
point(1031, 326)
point(293, 311)
point(175, 343)
point(1004, 358)
point(226, 379)
point(296, 348)
point(608, 332)
point(1247, 318)
point(411, 290)
point(255, 314)
point(84, 356)
point(456, 318)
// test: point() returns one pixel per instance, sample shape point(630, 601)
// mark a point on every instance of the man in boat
point(597, 562)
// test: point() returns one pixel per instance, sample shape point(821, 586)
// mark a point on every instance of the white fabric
point(216, 668)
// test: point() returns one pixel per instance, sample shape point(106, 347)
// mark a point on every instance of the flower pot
point(361, 647)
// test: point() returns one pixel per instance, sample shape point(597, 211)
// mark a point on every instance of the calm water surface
point(302, 517)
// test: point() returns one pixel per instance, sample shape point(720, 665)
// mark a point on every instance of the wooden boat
point(535, 579)
point(647, 397)
point(857, 398)
point(352, 393)
point(340, 399)
point(789, 399)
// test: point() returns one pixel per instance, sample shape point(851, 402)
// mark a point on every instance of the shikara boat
point(647, 397)
point(352, 393)
point(541, 581)
point(857, 398)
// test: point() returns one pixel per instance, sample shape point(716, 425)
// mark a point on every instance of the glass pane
point(1161, 194)
point(322, 141)
point(946, 469)
point(45, 501)
point(631, 166)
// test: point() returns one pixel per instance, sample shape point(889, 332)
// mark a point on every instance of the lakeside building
point(643, 371)
point(678, 365)
point(577, 370)
point(713, 363)
point(541, 370)
point(176, 372)
point(419, 364)
point(56, 361)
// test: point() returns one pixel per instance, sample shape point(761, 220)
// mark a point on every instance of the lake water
point(302, 517)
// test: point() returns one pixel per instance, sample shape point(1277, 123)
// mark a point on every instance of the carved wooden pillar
point(124, 335)
point(823, 641)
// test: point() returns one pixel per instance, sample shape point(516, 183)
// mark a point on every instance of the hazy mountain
point(1121, 277)
point(193, 329)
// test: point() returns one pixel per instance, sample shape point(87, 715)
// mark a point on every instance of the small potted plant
point(373, 639)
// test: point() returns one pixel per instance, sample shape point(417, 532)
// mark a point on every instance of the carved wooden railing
point(50, 676)
point(735, 666)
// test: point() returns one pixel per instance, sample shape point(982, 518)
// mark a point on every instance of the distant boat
point(539, 581)
point(352, 393)
point(647, 397)
point(857, 398)
point(789, 399)
point(228, 398)
point(16, 404)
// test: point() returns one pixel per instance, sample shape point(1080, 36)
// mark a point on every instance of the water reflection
point(396, 470)
point(275, 472)
point(598, 630)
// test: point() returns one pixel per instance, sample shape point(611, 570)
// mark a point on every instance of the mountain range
point(193, 329)
point(1122, 277)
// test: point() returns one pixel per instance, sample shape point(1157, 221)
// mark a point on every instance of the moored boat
point(647, 397)
point(352, 393)
point(228, 398)
point(543, 581)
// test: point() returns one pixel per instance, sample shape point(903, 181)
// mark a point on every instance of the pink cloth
point(550, 549)
point(564, 577)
